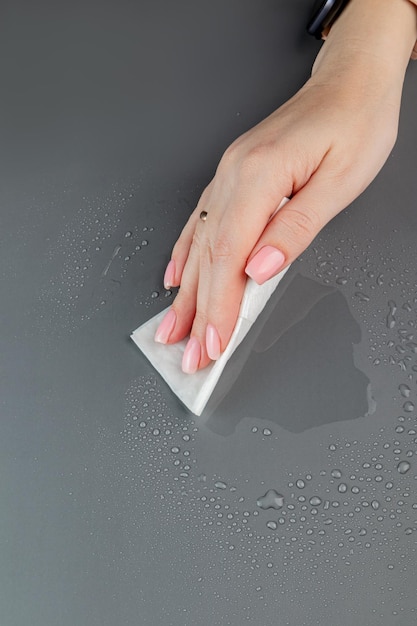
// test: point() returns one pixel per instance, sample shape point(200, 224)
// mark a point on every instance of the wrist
point(378, 33)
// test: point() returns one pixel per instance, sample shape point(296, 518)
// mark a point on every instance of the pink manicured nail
point(191, 357)
point(166, 327)
point(169, 276)
point(265, 264)
point(212, 342)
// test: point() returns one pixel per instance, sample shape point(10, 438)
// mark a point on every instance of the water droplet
point(144, 242)
point(271, 500)
point(342, 488)
point(341, 280)
point(363, 297)
point(403, 467)
point(405, 391)
point(375, 504)
point(412, 346)
point(220, 485)
point(391, 315)
point(300, 484)
point(202, 478)
point(267, 432)
point(175, 450)
point(315, 501)
point(272, 525)
point(336, 473)
point(128, 234)
point(408, 406)
point(154, 294)
point(254, 429)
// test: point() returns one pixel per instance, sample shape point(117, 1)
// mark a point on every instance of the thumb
point(291, 230)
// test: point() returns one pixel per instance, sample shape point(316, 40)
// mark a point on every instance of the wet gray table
point(117, 505)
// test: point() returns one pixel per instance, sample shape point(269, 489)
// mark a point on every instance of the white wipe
point(194, 390)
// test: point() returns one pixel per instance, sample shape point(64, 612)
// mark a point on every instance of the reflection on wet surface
point(319, 363)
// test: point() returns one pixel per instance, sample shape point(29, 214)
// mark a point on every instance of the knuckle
point(220, 250)
point(253, 160)
point(229, 156)
point(245, 160)
point(232, 154)
point(302, 226)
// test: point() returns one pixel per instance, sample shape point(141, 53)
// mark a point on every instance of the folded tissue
point(194, 390)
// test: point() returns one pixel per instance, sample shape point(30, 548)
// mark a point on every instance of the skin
point(322, 148)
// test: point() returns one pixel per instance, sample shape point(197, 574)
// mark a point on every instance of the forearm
point(379, 34)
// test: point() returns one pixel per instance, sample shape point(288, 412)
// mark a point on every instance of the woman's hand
point(321, 148)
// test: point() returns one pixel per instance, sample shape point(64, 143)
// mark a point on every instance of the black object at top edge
point(323, 14)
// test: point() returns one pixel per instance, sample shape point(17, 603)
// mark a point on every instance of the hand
point(321, 148)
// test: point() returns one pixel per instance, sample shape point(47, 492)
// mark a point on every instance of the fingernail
point(166, 327)
point(265, 264)
point(191, 357)
point(212, 342)
point(169, 276)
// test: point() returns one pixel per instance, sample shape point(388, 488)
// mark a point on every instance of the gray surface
point(113, 117)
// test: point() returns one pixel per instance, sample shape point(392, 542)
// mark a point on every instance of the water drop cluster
point(90, 259)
